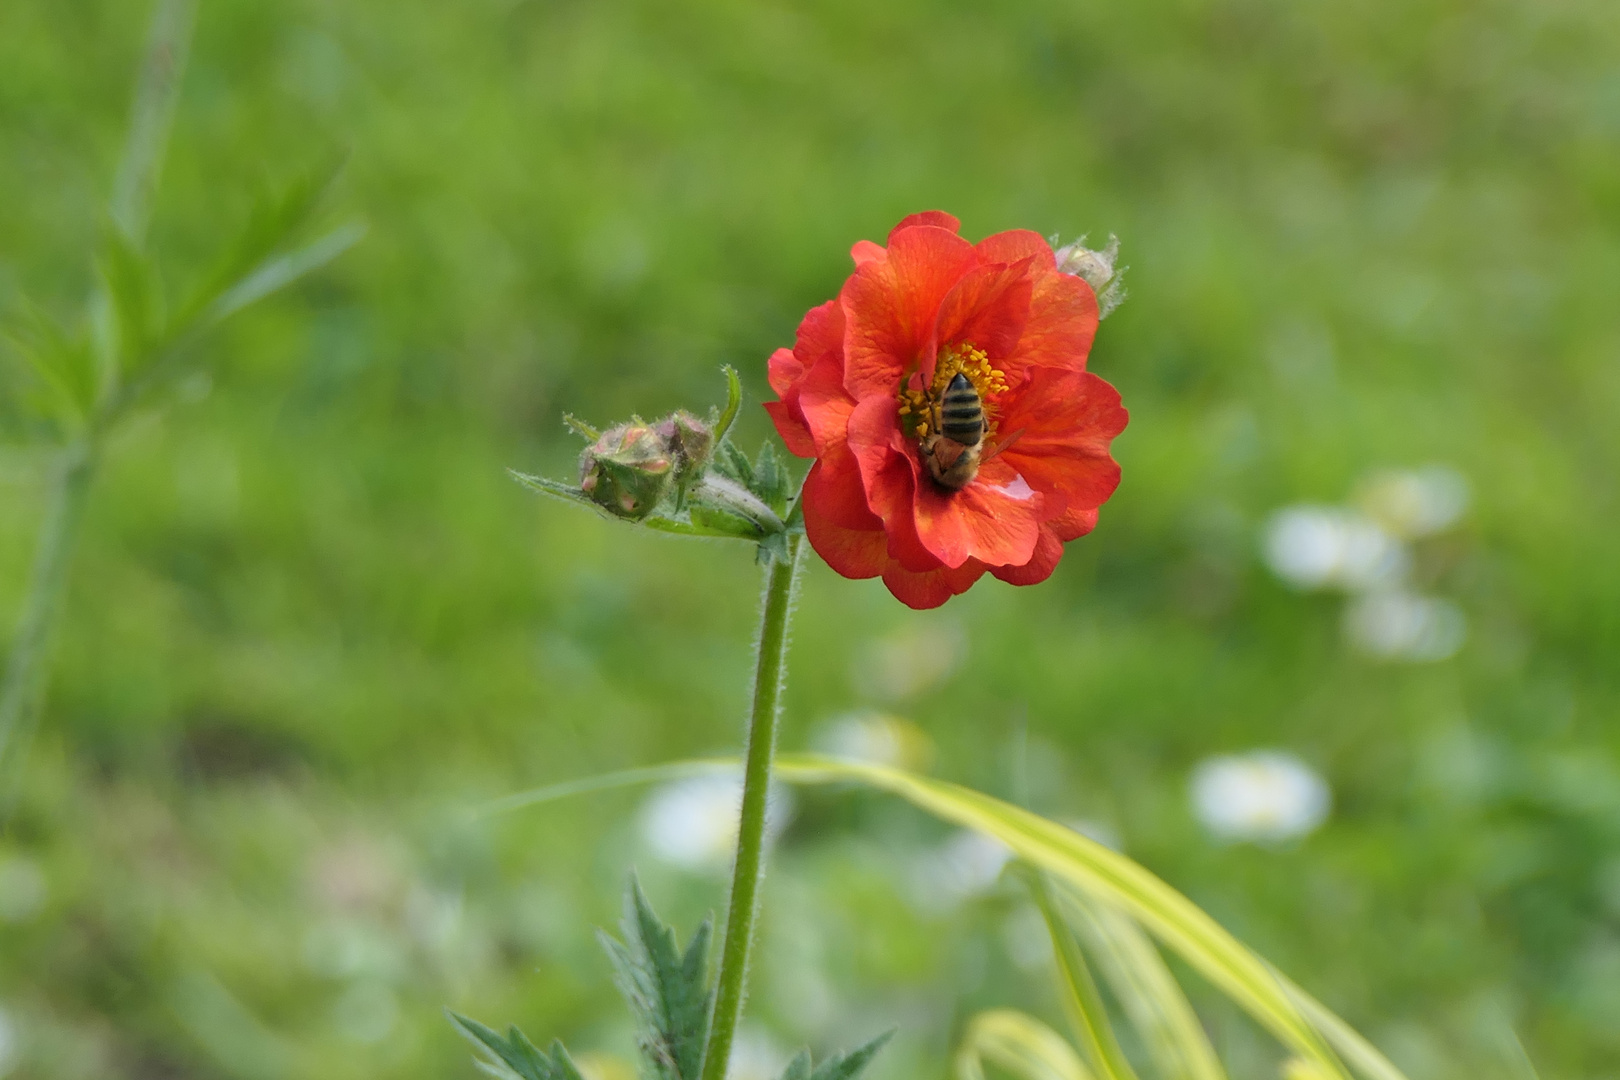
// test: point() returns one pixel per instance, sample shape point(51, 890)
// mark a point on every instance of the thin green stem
point(768, 678)
point(23, 691)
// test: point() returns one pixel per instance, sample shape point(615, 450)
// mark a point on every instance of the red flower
point(861, 392)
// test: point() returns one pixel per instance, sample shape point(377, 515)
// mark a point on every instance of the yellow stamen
point(917, 406)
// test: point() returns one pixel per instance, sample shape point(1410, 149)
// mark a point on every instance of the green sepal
point(518, 1054)
point(772, 547)
point(667, 991)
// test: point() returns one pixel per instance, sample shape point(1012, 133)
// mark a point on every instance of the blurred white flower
point(10, 1043)
point(965, 865)
point(22, 888)
point(1397, 625)
point(1417, 502)
point(692, 823)
point(879, 738)
point(911, 660)
point(1315, 547)
point(1261, 795)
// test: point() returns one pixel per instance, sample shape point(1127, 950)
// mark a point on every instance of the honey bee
point(954, 448)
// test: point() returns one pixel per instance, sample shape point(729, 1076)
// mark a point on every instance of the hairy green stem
point(768, 678)
point(23, 691)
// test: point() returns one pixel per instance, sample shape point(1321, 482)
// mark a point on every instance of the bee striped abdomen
point(961, 413)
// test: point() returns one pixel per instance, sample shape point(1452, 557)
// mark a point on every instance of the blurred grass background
point(312, 619)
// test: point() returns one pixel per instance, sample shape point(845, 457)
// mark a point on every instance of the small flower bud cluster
point(1099, 269)
point(632, 467)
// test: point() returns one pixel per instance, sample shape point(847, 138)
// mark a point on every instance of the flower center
point(917, 406)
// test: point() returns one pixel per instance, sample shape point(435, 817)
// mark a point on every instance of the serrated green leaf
point(667, 991)
point(850, 1064)
point(518, 1054)
point(770, 479)
point(732, 463)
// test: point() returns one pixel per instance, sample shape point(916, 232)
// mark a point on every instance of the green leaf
point(733, 403)
point(156, 91)
point(771, 479)
point(851, 1063)
point(668, 992)
point(518, 1054)
point(798, 1068)
point(64, 365)
point(1149, 995)
point(135, 297)
point(1080, 997)
point(1018, 1043)
point(732, 463)
point(1106, 875)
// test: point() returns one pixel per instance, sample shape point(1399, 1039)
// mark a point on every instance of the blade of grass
point(1149, 994)
point(1095, 870)
point(1080, 997)
point(1018, 1043)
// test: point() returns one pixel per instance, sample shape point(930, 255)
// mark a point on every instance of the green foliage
point(668, 992)
point(518, 1054)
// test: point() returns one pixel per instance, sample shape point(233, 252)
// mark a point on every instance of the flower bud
point(1096, 268)
point(688, 440)
point(628, 470)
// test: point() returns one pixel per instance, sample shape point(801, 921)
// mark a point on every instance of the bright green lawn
point(313, 619)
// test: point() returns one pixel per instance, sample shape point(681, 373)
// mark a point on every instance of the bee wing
point(1003, 444)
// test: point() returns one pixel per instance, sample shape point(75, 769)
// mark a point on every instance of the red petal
point(840, 495)
point(937, 218)
point(825, 405)
point(890, 306)
point(1048, 550)
point(793, 430)
point(1058, 332)
point(996, 519)
point(820, 334)
point(1073, 524)
point(1067, 420)
point(1015, 244)
point(986, 309)
point(783, 369)
point(932, 588)
point(854, 553)
point(865, 251)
